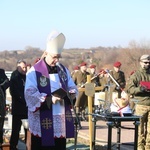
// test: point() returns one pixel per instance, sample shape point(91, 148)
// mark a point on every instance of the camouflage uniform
point(142, 107)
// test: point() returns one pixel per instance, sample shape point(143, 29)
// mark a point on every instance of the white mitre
point(55, 42)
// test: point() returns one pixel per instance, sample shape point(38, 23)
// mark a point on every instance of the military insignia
point(43, 81)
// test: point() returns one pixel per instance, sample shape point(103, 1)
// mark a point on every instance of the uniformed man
point(103, 79)
point(139, 87)
point(94, 75)
point(75, 69)
point(80, 78)
point(119, 77)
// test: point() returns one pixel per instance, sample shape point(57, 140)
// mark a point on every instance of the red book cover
point(145, 84)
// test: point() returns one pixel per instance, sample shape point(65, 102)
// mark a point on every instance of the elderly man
point(50, 118)
point(139, 87)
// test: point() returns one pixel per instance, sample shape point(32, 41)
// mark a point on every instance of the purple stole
point(46, 116)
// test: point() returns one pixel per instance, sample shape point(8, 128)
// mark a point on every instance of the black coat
point(4, 84)
point(17, 83)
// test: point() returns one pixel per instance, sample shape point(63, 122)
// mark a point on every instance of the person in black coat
point(19, 108)
point(4, 84)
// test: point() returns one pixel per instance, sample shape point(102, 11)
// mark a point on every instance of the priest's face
point(52, 59)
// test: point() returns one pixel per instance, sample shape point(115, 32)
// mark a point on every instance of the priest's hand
point(55, 99)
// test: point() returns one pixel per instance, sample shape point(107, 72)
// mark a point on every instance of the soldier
point(80, 78)
point(141, 92)
point(103, 79)
point(94, 75)
point(75, 69)
point(119, 77)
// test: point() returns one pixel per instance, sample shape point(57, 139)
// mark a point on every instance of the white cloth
point(115, 108)
point(34, 99)
point(58, 109)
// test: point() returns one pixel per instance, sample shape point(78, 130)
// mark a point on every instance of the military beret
point(102, 71)
point(93, 66)
point(76, 68)
point(117, 64)
point(83, 64)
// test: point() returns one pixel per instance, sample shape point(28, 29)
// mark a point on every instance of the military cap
point(76, 68)
point(83, 64)
point(102, 71)
point(145, 57)
point(117, 64)
point(93, 66)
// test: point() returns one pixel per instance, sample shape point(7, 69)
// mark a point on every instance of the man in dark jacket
point(19, 108)
point(4, 84)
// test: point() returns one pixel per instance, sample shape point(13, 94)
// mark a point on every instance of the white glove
point(55, 99)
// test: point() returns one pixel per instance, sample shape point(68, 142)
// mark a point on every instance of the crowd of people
point(37, 96)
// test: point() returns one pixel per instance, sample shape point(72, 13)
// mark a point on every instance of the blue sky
point(85, 23)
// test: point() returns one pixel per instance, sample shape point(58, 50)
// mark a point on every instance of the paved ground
point(127, 137)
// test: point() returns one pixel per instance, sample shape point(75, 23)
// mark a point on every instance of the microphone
point(61, 68)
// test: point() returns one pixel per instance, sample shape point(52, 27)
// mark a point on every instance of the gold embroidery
point(46, 123)
point(68, 116)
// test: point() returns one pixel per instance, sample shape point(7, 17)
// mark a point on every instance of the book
point(145, 84)
point(61, 93)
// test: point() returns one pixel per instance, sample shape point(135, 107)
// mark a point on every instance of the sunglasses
point(146, 62)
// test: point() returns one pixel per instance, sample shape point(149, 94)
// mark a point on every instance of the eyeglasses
point(145, 62)
point(56, 57)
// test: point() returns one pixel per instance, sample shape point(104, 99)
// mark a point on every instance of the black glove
point(117, 88)
point(143, 89)
point(105, 88)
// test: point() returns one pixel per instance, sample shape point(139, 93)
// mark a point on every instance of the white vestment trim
point(58, 109)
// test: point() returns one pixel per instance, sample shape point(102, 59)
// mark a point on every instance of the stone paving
point(127, 137)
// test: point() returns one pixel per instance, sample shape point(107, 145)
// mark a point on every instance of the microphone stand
point(76, 121)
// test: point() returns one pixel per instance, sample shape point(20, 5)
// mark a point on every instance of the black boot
point(83, 117)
